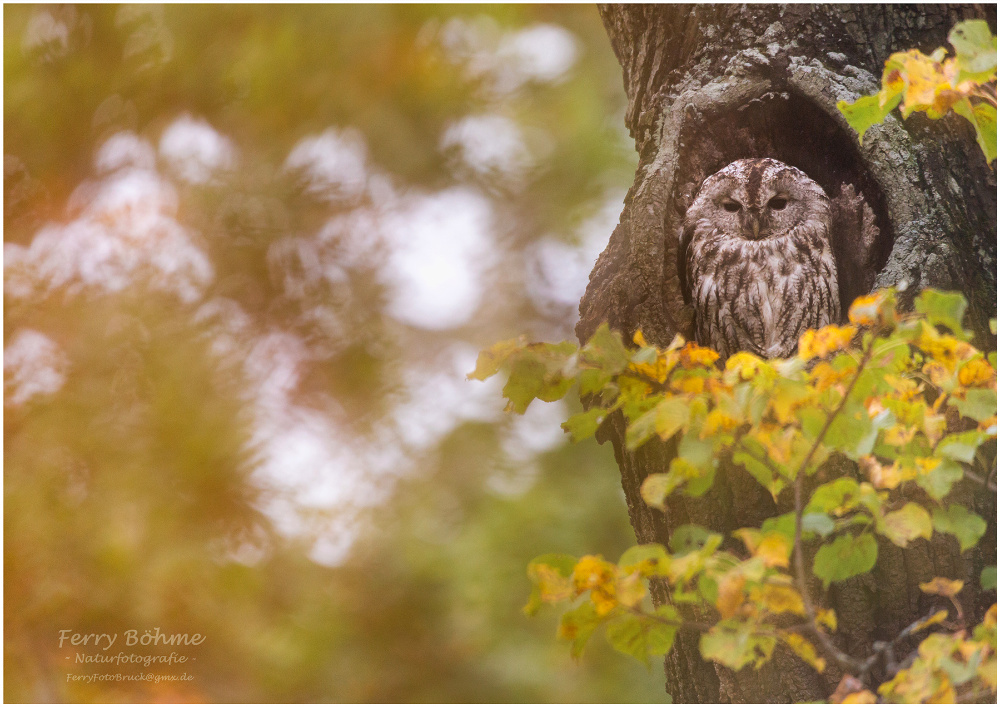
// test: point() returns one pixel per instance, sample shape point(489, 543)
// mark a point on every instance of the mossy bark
point(708, 84)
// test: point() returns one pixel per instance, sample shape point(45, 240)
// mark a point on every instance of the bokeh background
point(250, 253)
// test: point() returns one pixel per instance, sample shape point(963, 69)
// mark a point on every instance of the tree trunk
point(710, 84)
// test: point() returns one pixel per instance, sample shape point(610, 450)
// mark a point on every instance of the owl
point(756, 259)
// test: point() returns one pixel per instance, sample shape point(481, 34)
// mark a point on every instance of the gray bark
point(710, 84)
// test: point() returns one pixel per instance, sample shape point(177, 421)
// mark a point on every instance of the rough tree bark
point(710, 84)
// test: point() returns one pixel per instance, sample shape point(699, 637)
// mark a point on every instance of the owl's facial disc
point(759, 220)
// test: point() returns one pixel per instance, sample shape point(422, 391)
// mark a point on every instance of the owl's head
point(757, 199)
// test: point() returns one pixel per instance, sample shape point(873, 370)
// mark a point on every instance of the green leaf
point(584, 425)
point(988, 577)
point(649, 559)
point(946, 308)
point(634, 398)
point(537, 371)
point(735, 646)
point(852, 432)
point(907, 524)
point(527, 380)
point(681, 472)
point(783, 524)
point(845, 557)
point(840, 494)
point(962, 447)
point(577, 626)
point(489, 361)
point(960, 522)
point(656, 487)
point(639, 432)
point(984, 120)
point(697, 451)
point(592, 381)
point(640, 637)
point(760, 471)
point(867, 111)
point(819, 523)
point(938, 482)
point(979, 404)
point(606, 351)
point(671, 414)
point(688, 538)
point(975, 50)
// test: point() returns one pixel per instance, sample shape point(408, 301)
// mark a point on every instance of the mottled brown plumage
point(757, 260)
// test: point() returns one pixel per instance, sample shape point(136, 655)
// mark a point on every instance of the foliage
point(964, 83)
point(904, 396)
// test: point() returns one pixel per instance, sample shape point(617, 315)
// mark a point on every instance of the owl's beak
point(753, 216)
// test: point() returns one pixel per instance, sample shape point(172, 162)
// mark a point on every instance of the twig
point(886, 647)
point(845, 661)
point(988, 483)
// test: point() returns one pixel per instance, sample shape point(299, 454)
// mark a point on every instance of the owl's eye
point(777, 203)
point(731, 206)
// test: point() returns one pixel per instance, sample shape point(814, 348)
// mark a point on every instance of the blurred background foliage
point(249, 254)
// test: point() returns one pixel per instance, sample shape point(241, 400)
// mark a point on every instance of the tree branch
point(843, 660)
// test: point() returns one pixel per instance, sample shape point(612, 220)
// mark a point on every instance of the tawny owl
point(757, 259)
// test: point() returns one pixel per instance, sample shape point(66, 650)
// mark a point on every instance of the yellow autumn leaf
point(906, 387)
point(718, 421)
point(592, 571)
point(825, 376)
point(730, 596)
point(937, 373)
point(776, 440)
point(942, 587)
point(987, 672)
point(931, 621)
point(826, 617)
point(688, 384)
point(805, 650)
point(864, 697)
point(923, 77)
point(910, 522)
point(654, 371)
point(822, 342)
point(630, 590)
point(943, 348)
point(865, 310)
point(976, 373)
point(604, 600)
point(898, 435)
point(774, 549)
point(639, 340)
point(945, 693)
point(781, 599)
point(552, 586)
point(746, 364)
point(884, 477)
point(693, 356)
point(934, 427)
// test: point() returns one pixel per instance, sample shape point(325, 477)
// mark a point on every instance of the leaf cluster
point(904, 396)
point(964, 83)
